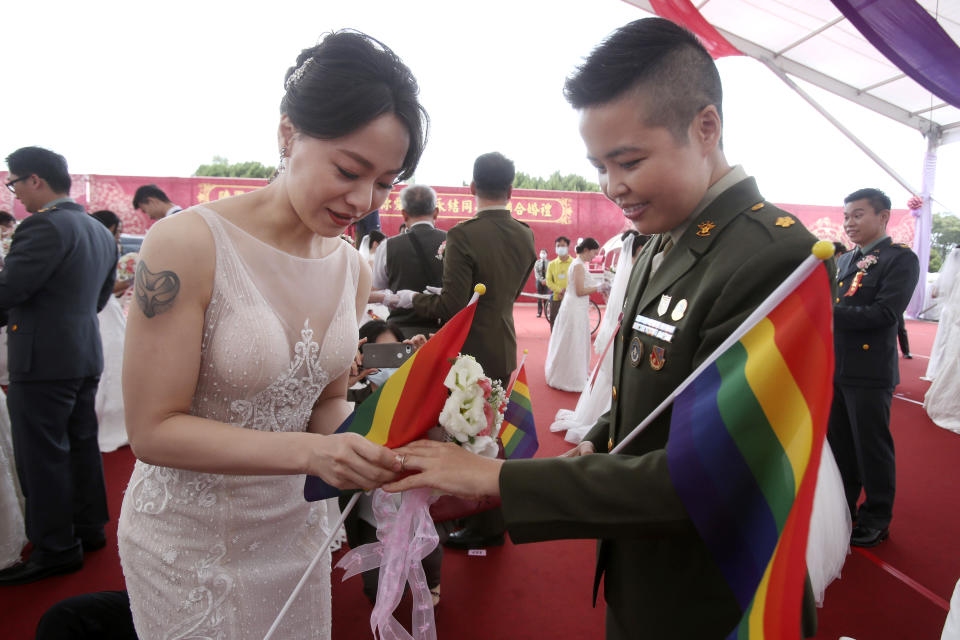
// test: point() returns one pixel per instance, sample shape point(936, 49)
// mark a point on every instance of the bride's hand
point(582, 449)
point(350, 461)
point(447, 467)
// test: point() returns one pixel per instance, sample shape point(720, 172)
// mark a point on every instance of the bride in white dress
point(237, 357)
point(942, 401)
point(942, 293)
point(568, 355)
point(13, 536)
point(595, 399)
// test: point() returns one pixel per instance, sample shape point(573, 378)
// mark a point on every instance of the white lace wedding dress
point(12, 534)
point(942, 401)
point(595, 399)
point(568, 354)
point(948, 315)
point(217, 556)
point(112, 433)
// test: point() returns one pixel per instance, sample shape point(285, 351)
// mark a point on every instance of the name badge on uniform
point(636, 352)
point(664, 304)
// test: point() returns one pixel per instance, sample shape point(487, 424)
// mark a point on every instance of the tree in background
point(221, 168)
point(556, 182)
point(944, 235)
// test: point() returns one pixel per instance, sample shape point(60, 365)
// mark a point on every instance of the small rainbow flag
point(409, 402)
point(518, 433)
point(744, 448)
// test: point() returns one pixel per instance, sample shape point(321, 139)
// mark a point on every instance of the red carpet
point(543, 590)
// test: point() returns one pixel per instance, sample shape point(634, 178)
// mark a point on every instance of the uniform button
point(866, 347)
point(14, 328)
point(837, 299)
point(614, 393)
point(841, 284)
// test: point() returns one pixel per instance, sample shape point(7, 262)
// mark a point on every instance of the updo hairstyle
point(349, 80)
point(587, 244)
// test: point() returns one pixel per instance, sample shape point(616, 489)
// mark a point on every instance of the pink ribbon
point(407, 535)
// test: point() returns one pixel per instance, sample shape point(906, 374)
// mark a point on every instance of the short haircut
point(493, 176)
point(877, 199)
point(7, 218)
point(587, 244)
point(107, 217)
point(149, 191)
point(45, 164)
point(347, 81)
point(562, 239)
point(375, 328)
point(839, 248)
point(376, 236)
point(418, 200)
point(663, 62)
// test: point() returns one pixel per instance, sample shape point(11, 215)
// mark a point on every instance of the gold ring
point(403, 460)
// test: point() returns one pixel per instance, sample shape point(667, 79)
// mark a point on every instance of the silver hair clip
point(294, 78)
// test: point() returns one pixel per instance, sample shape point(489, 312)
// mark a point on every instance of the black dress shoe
point(29, 571)
point(468, 539)
point(868, 536)
point(908, 356)
point(94, 543)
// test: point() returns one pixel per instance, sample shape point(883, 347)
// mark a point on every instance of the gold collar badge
point(704, 228)
point(784, 221)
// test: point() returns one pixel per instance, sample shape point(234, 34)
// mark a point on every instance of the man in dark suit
point(410, 260)
point(875, 282)
point(494, 249)
point(649, 99)
point(59, 273)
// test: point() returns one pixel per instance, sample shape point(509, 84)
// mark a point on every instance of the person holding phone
point(361, 525)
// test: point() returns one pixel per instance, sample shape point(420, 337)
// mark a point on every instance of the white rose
point(462, 415)
point(483, 446)
point(464, 372)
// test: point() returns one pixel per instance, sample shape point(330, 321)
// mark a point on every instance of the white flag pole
point(822, 250)
point(316, 559)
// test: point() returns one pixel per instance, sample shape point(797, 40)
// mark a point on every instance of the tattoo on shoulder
point(155, 292)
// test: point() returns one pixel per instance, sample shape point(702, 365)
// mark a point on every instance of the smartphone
point(388, 355)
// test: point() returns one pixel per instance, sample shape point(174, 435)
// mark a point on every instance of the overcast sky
point(122, 89)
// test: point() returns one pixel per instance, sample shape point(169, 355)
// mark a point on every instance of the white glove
point(433, 290)
point(404, 299)
point(390, 299)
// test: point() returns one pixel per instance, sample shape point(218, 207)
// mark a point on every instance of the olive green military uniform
point(494, 249)
point(661, 581)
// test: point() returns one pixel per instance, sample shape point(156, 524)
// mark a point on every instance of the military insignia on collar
point(784, 221)
point(757, 207)
point(704, 228)
point(658, 358)
point(636, 352)
point(664, 304)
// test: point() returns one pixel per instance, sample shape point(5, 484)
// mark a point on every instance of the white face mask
point(380, 377)
point(561, 251)
point(543, 255)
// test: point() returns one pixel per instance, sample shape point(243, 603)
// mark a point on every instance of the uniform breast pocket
point(20, 350)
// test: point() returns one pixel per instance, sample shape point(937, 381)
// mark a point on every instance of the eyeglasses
point(13, 182)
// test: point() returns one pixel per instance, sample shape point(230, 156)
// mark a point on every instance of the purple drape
point(910, 38)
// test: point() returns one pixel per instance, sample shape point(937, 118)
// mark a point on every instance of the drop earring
point(281, 166)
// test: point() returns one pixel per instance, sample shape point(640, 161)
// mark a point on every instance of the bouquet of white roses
point(473, 413)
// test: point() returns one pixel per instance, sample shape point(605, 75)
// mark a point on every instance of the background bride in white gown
point(568, 354)
point(595, 399)
point(942, 401)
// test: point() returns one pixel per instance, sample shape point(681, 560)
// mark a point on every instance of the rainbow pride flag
point(518, 433)
point(743, 452)
point(409, 402)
